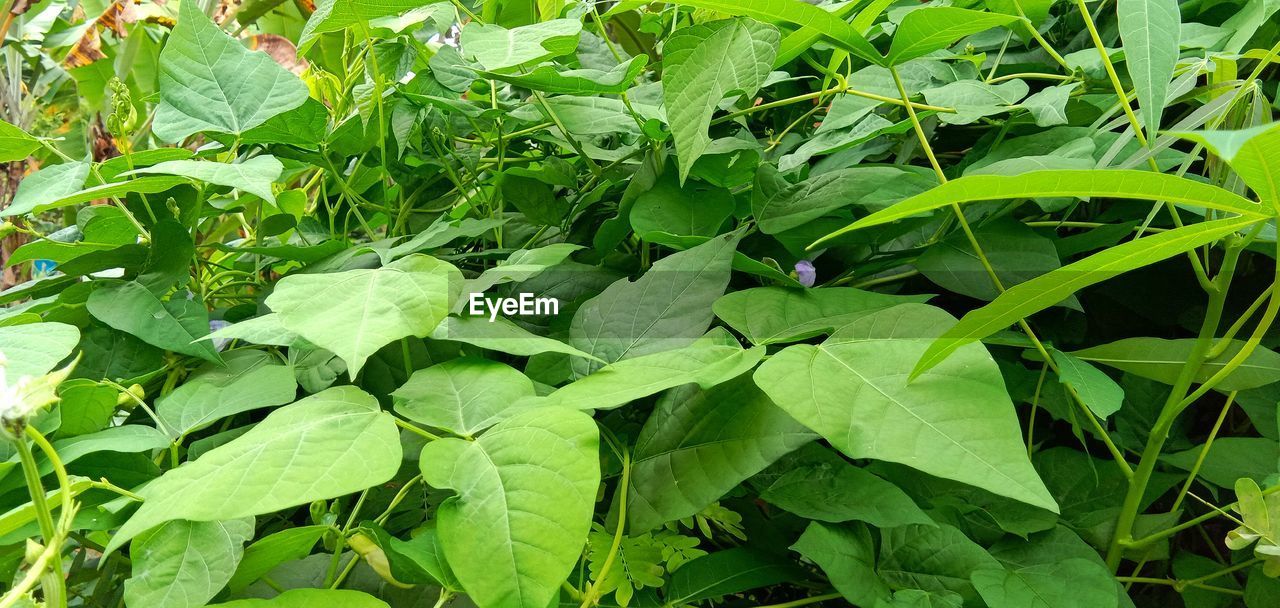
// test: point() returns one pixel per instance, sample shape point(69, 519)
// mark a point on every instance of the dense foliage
point(877, 303)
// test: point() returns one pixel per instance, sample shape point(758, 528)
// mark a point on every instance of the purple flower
point(806, 273)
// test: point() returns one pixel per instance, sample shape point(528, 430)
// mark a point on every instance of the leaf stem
point(590, 597)
point(805, 601)
point(1204, 451)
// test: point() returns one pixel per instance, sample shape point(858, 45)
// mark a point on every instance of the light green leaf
point(668, 307)
point(499, 49)
point(870, 187)
point(209, 82)
point(175, 324)
point(356, 312)
point(1230, 458)
point(705, 63)
point(774, 315)
point(727, 572)
point(585, 81)
point(1149, 30)
point(1252, 153)
point(937, 559)
point(264, 555)
point(934, 28)
point(974, 99)
point(1066, 583)
point(310, 598)
point(254, 176)
point(956, 422)
point(719, 437)
point(803, 15)
point(694, 209)
point(35, 349)
point(617, 384)
point(463, 396)
point(503, 336)
point(1048, 106)
point(525, 493)
point(1098, 391)
point(54, 194)
point(48, 183)
point(1162, 360)
point(183, 564)
point(266, 329)
point(1124, 184)
point(337, 15)
point(521, 265)
point(15, 144)
point(332, 443)
point(1016, 253)
point(1025, 299)
point(847, 555)
point(250, 379)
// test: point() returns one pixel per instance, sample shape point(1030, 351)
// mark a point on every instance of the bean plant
point(575, 303)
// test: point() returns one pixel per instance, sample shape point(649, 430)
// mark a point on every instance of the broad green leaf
point(52, 195)
point(48, 183)
point(176, 324)
point(183, 564)
point(271, 551)
point(694, 209)
point(254, 176)
point(266, 329)
point(525, 493)
point(99, 228)
point(1025, 299)
point(337, 15)
point(703, 64)
point(499, 49)
point(15, 144)
point(803, 39)
point(727, 572)
point(847, 555)
point(1162, 360)
point(617, 384)
point(521, 265)
point(503, 336)
point(1124, 184)
point(330, 444)
point(310, 598)
point(356, 312)
point(974, 99)
point(1065, 583)
point(955, 422)
point(249, 380)
point(668, 307)
point(1016, 253)
point(937, 559)
point(773, 315)
point(209, 82)
point(800, 14)
point(718, 436)
point(917, 598)
point(868, 187)
point(1149, 30)
point(36, 348)
point(1229, 459)
point(1098, 391)
point(934, 28)
point(822, 486)
point(585, 81)
point(1252, 153)
point(463, 396)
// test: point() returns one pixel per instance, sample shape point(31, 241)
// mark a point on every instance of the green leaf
point(694, 209)
point(774, 315)
point(55, 193)
point(265, 554)
point(800, 14)
point(15, 144)
point(1124, 184)
point(1251, 153)
point(584, 81)
point(1149, 30)
point(703, 64)
point(332, 443)
point(499, 49)
point(1229, 459)
point(934, 28)
point(249, 380)
point(869, 187)
point(183, 564)
point(48, 183)
point(503, 336)
point(668, 307)
point(525, 493)
point(974, 99)
point(463, 396)
point(337, 15)
point(356, 312)
point(617, 384)
point(937, 559)
point(522, 265)
point(847, 555)
point(1096, 389)
point(175, 324)
point(1068, 583)
point(1162, 360)
point(209, 82)
point(726, 572)
point(310, 598)
point(266, 329)
point(956, 422)
point(719, 436)
point(254, 176)
point(1025, 299)
point(35, 349)
point(1016, 253)
point(822, 486)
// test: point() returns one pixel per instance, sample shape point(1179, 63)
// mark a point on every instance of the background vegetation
point(878, 303)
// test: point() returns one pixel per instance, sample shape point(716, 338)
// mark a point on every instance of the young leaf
point(499, 49)
point(1149, 30)
point(525, 491)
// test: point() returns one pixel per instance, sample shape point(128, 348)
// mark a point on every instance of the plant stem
point(54, 586)
point(1204, 451)
point(591, 595)
point(805, 602)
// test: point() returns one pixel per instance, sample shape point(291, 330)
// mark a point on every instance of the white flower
point(26, 395)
